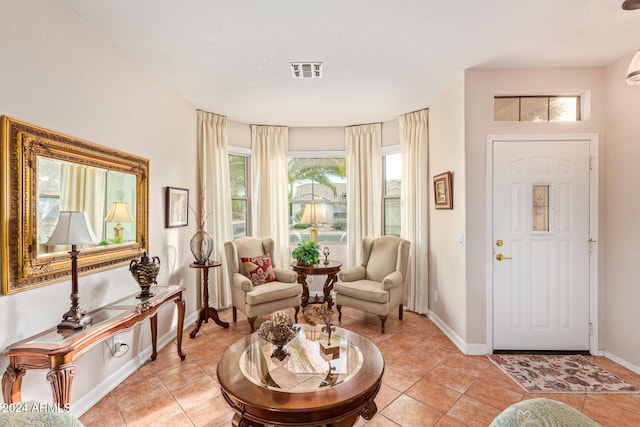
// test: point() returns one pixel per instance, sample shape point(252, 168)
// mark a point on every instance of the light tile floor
point(427, 382)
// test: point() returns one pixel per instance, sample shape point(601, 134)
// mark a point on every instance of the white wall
point(446, 259)
point(621, 210)
point(481, 86)
point(57, 73)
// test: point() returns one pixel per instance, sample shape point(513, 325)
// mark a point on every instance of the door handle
point(501, 257)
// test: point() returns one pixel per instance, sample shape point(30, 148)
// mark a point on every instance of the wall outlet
point(435, 295)
point(460, 239)
point(117, 345)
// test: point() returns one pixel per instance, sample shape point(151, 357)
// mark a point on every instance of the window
point(391, 170)
point(536, 108)
point(317, 197)
point(48, 197)
point(239, 182)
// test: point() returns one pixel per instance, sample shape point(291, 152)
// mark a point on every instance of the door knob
point(501, 257)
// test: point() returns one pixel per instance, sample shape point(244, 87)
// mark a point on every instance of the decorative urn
point(145, 272)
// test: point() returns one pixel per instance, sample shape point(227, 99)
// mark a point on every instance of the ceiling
point(381, 58)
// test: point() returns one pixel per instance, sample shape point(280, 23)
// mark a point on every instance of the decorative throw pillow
point(259, 269)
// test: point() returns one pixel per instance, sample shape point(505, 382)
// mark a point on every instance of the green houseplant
point(306, 252)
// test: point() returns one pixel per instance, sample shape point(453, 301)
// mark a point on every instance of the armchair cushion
point(367, 290)
point(259, 269)
point(272, 292)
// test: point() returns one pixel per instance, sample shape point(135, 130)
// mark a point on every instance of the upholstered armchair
point(257, 286)
point(377, 285)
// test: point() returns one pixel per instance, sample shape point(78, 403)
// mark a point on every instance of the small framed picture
point(177, 207)
point(442, 189)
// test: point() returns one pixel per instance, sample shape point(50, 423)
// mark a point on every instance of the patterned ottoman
point(542, 412)
point(32, 414)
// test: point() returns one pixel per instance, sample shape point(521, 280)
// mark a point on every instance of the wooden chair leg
point(295, 316)
point(252, 321)
point(383, 319)
point(400, 311)
point(234, 310)
point(339, 307)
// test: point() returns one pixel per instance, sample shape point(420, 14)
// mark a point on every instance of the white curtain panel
point(364, 194)
point(269, 201)
point(213, 186)
point(84, 190)
point(414, 206)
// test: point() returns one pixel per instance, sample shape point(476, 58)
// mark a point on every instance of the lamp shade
point(119, 213)
point(633, 73)
point(73, 228)
point(313, 214)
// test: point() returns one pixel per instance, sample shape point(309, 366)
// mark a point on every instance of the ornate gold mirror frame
point(23, 147)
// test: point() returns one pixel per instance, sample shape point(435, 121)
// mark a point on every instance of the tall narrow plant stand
point(206, 312)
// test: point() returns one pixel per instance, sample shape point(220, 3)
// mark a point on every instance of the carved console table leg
point(153, 322)
point(61, 379)
point(12, 384)
point(180, 304)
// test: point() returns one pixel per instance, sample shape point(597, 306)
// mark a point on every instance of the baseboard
point(82, 405)
point(622, 362)
point(467, 349)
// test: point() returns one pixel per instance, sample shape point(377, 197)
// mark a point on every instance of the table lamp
point(313, 215)
point(119, 213)
point(73, 228)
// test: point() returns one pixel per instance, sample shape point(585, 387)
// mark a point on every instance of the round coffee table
point(310, 387)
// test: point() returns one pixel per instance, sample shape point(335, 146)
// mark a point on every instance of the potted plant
point(306, 252)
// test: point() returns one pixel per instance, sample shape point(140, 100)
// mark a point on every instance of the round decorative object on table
point(201, 246)
point(278, 331)
point(145, 272)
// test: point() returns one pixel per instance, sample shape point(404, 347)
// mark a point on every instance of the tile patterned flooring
point(427, 382)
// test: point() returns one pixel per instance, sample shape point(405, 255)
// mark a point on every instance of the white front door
point(540, 229)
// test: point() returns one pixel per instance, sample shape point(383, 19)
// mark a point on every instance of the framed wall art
point(443, 191)
point(177, 207)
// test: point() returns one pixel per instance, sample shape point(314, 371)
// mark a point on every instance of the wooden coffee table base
point(339, 405)
point(249, 417)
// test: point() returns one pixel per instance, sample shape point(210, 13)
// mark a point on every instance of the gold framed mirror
point(45, 172)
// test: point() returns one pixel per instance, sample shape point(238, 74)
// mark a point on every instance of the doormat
point(560, 374)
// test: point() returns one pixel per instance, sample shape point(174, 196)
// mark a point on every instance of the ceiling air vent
point(306, 70)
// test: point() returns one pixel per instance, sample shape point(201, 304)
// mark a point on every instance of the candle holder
point(326, 252)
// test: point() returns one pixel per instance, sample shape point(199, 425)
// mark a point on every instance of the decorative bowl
point(278, 331)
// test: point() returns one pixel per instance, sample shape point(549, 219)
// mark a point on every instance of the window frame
point(579, 107)
point(387, 151)
point(321, 154)
point(246, 153)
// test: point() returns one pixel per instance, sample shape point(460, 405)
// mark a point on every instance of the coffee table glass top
point(307, 368)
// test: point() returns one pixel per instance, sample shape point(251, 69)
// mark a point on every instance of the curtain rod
point(209, 112)
point(363, 124)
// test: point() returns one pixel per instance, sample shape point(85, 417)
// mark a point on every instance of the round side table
point(331, 269)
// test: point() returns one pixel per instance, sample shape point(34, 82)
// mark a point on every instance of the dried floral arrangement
point(279, 330)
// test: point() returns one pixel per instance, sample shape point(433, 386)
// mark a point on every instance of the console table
point(331, 269)
point(58, 349)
